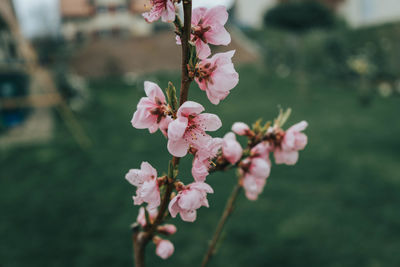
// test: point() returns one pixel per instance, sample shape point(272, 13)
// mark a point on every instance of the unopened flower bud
point(164, 248)
point(241, 128)
point(167, 229)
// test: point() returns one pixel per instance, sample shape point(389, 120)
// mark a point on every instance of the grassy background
point(339, 206)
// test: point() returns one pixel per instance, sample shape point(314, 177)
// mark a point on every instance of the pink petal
point(301, 126)
point(165, 249)
point(148, 170)
point(231, 149)
point(240, 128)
point(202, 187)
point(134, 177)
point(178, 148)
point(172, 207)
point(198, 14)
point(286, 157)
point(168, 15)
point(189, 199)
point(153, 90)
point(202, 49)
point(177, 128)
point(142, 119)
point(190, 108)
point(209, 122)
point(188, 216)
point(218, 36)
point(216, 16)
point(260, 168)
point(199, 171)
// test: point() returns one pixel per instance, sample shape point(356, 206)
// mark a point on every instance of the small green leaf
point(285, 116)
point(171, 95)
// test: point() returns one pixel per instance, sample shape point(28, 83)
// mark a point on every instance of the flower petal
point(190, 108)
point(209, 122)
point(178, 148)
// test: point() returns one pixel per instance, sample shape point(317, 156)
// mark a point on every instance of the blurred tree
point(300, 16)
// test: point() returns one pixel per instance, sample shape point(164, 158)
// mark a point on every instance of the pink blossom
point(293, 141)
point(206, 152)
point(255, 170)
point(189, 129)
point(141, 218)
point(145, 180)
point(253, 186)
point(208, 28)
point(240, 128)
point(161, 8)
point(217, 76)
point(187, 201)
point(150, 113)
point(164, 249)
point(231, 149)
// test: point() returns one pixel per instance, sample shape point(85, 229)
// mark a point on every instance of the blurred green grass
point(339, 206)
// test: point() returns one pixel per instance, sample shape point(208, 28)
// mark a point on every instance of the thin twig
point(225, 215)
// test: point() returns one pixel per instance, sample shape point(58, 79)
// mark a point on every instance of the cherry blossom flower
point(189, 129)
point(293, 141)
point(203, 157)
point(208, 28)
point(164, 248)
point(164, 9)
point(253, 186)
point(217, 76)
point(231, 149)
point(188, 200)
point(145, 179)
point(240, 128)
point(255, 170)
point(150, 113)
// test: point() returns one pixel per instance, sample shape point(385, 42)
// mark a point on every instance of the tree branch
point(225, 215)
point(187, 27)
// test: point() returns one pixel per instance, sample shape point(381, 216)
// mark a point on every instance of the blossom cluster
point(187, 129)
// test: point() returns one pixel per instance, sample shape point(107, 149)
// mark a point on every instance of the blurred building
point(83, 18)
point(358, 13)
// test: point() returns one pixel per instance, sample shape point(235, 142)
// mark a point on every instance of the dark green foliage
point(300, 16)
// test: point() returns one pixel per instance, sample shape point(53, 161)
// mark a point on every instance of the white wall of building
point(250, 13)
point(360, 13)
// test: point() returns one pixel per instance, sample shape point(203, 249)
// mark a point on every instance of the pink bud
point(164, 249)
point(293, 141)
point(167, 229)
point(231, 149)
point(240, 128)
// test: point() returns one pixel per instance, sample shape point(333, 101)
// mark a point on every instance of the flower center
point(198, 32)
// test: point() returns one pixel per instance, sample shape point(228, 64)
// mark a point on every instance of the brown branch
point(141, 239)
point(225, 215)
point(187, 26)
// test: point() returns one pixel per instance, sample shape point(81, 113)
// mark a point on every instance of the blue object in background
point(12, 85)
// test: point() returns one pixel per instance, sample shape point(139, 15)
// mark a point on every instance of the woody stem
point(218, 231)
